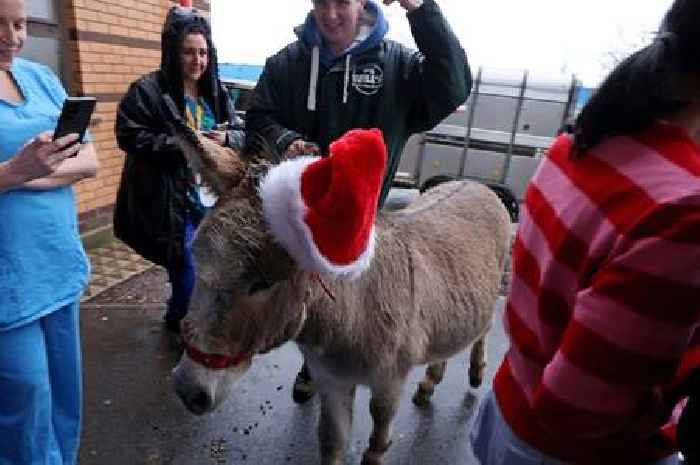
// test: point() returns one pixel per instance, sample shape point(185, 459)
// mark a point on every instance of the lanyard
point(195, 122)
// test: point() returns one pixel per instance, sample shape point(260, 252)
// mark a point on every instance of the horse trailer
point(497, 137)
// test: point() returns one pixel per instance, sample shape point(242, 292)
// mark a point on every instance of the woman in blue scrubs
point(43, 268)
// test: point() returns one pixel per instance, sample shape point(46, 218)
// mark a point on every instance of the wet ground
point(132, 416)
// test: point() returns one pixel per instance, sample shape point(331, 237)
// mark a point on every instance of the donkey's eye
point(258, 286)
point(223, 297)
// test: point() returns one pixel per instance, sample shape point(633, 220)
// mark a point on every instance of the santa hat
point(322, 210)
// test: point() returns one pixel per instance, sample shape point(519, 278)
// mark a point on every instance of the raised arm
point(439, 74)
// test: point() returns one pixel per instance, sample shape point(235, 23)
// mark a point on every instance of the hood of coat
point(373, 28)
point(178, 23)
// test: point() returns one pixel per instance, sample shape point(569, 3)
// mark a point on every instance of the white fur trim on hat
point(284, 211)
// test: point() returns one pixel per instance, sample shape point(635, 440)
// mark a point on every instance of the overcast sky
point(549, 36)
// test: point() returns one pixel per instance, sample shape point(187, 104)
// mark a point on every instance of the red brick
point(99, 68)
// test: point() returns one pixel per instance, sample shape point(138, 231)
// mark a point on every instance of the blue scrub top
point(43, 266)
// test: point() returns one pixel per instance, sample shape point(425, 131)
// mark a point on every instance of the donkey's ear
point(221, 168)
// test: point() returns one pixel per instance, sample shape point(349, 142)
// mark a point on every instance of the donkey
point(428, 293)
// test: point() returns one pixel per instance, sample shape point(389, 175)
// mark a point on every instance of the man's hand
point(301, 147)
point(408, 5)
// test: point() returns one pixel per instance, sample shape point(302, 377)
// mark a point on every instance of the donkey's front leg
point(382, 407)
point(335, 425)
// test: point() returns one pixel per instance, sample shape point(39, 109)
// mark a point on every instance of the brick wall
point(109, 44)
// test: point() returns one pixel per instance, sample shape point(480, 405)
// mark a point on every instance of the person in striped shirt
point(603, 312)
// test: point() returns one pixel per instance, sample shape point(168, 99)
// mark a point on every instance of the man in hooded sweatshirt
point(342, 73)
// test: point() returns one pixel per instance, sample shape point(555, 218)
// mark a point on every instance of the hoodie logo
point(368, 79)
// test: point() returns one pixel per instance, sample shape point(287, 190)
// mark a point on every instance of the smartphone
point(75, 117)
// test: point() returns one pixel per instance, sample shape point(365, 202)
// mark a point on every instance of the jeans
point(181, 279)
point(494, 443)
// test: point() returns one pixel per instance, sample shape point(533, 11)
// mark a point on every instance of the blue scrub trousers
point(41, 390)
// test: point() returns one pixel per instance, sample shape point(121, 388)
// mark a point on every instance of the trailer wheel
point(508, 199)
point(435, 181)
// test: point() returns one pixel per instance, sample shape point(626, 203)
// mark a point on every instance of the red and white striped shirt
point(604, 307)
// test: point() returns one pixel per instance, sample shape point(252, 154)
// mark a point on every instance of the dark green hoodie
point(376, 83)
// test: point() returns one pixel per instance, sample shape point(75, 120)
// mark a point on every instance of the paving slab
point(111, 265)
point(133, 417)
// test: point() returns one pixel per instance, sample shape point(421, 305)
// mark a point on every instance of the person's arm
point(69, 171)
point(136, 127)
point(36, 159)
point(235, 132)
point(235, 139)
point(628, 333)
point(439, 74)
point(263, 118)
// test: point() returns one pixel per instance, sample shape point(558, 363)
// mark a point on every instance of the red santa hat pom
point(322, 210)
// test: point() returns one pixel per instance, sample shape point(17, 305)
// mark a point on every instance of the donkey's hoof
point(475, 380)
point(369, 458)
point(373, 455)
point(332, 460)
point(422, 397)
point(476, 377)
point(304, 387)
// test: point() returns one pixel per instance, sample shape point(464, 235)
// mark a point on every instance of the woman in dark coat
point(160, 202)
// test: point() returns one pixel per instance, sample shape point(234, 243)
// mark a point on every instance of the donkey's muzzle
point(196, 399)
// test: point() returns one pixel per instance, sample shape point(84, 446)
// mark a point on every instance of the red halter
point(219, 361)
point(211, 361)
point(214, 361)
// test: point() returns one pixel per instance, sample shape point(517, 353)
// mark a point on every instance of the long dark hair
point(180, 22)
point(648, 85)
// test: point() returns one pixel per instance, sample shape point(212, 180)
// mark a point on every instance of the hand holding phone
point(75, 117)
point(42, 155)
